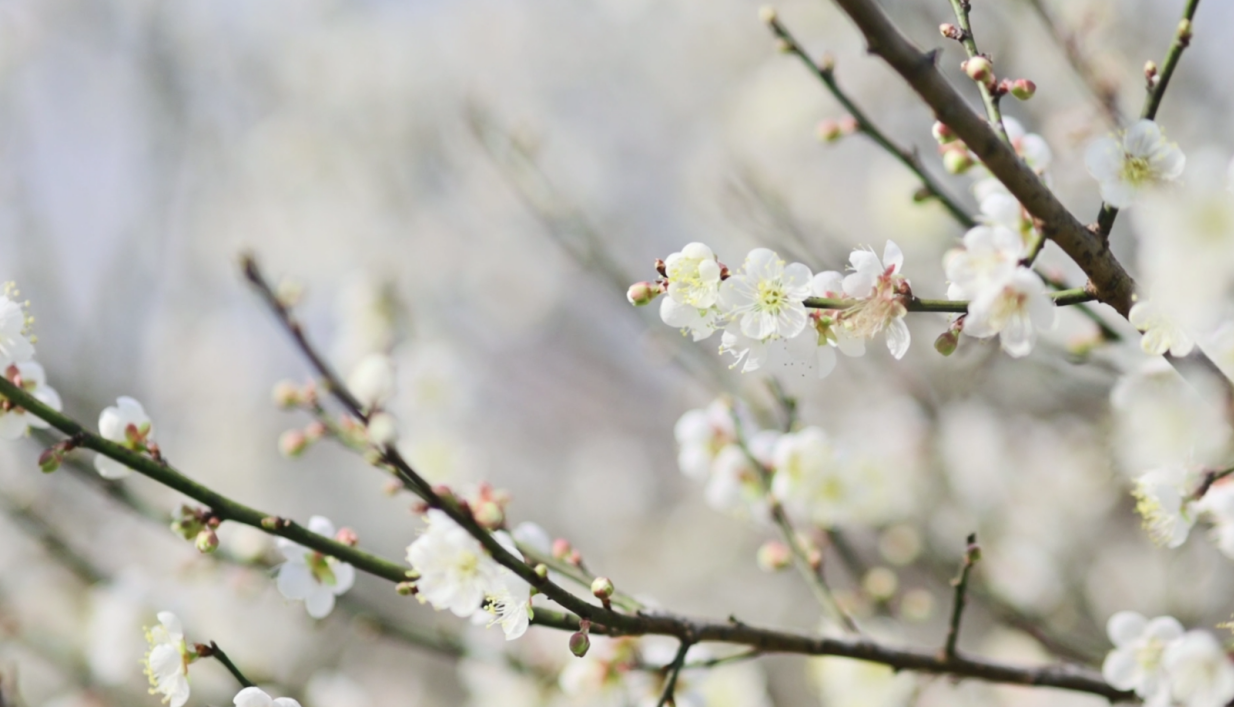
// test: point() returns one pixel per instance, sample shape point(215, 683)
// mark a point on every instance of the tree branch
point(906, 157)
point(989, 99)
point(1111, 283)
point(213, 651)
point(1062, 298)
point(961, 583)
point(674, 669)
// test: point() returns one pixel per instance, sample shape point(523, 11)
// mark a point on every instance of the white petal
point(849, 345)
point(1142, 138)
point(1125, 627)
point(1118, 193)
point(1104, 158)
point(344, 577)
point(859, 283)
point(897, 334)
point(321, 526)
point(1165, 628)
point(892, 257)
point(252, 697)
point(1168, 162)
point(796, 276)
point(1120, 669)
point(829, 283)
point(763, 264)
point(319, 603)
point(285, 703)
point(295, 581)
point(825, 361)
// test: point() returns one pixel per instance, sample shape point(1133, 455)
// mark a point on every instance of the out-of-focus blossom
point(1136, 663)
point(15, 345)
point(167, 662)
point(1160, 333)
point(1200, 670)
point(372, 382)
point(127, 424)
point(1161, 420)
point(15, 421)
point(1162, 501)
point(456, 573)
point(883, 291)
point(509, 601)
point(765, 296)
point(1217, 508)
point(311, 576)
point(701, 434)
point(1126, 163)
point(254, 697)
point(829, 332)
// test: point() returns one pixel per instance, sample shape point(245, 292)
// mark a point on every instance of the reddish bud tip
point(1023, 89)
point(979, 69)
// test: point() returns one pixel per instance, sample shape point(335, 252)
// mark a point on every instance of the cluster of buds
point(773, 556)
point(982, 71)
point(198, 526)
point(288, 394)
point(489, 506)
point(829, 131)
point(51, 458)
point(293, 443)
point(562, 551)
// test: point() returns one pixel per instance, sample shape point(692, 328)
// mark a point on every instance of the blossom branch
point(1111, 283)
point(961, 583)
point(1155, 90)
point(674, 669)
point(213, 651)
point(1103, 91)
point(1207, 481)
point(989, 98)
point(908, 158)
point(1062, 298)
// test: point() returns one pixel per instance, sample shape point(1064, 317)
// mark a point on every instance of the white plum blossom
point(254, 697)
point(989, 257)
point(15, 345)
point(166, 664)
point(701, 434)
point(1016, 310)
point(1136, 158)
point(1162, 501)
point(126, 424)
point(829, 331)
point(883, 292)
point(455, 571)
point(809, 480)
point(1160, 333)
point(1200, 670)
point(372, 382)
point(693, 277)
point(1217, 508)
point(29, 376)
point(737, 484)
point(509, 602)
point(312, 576)
point(765, 297)
point(1136, 662)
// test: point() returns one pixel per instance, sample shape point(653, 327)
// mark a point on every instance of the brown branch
point(961, 583)
point(674, 669)
point(1111, 283)
point(1207, 481)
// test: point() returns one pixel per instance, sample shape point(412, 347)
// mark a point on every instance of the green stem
point(961, 583)
point(213, 651)
point(906, 157)
point(961, 9)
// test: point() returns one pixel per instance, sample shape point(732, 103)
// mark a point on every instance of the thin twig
point(1062, 298)
point(961, 583)
point(990, 99)
point(213, 651)
point(908, 158)
point(674, 669)
point(1153, 96)
point(1207, 481)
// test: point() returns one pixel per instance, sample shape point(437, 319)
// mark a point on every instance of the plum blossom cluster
point(167, 661)
point(18, 365)
point(1163, 664)
point(312, 576)
point(761, 308)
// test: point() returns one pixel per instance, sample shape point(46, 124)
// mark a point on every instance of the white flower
point(700, 434)
point(808, 478)
point(28, 375)
point(372, 381)
point(383, 430)
point(311, 576)
point(127, 424)
point(1218, 508)
point(829, 333)
point(509, 602)
point(1161, 333)
point(1200, 670)
point(737, 485)
point(1032, 148)
point(254, 697)
point(765, 297)
point(1017, 309)
point(1161, 500)
point(1136, 662)
point(15, 347)
point(167, 662)
point(694, 284)
point(989, 257)
point(1126, 163)
point(883, 291)
point(455, 571)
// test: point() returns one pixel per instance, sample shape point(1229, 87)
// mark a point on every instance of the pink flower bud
point(286, 394)
point(957, 161)
point(315, 431)
point(773, 556)
point(829, 131)
point(489, 514)
point(49, 460)
point(292, 443)
point(579, 644)
point(561, 549)
point(1023, 89)
point(942, 133)
point(979, 69)
point(347, 537)
point(602, 588)
point(641, 294)
point(207, 541)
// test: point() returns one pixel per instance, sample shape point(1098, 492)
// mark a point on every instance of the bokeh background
point(470, 186)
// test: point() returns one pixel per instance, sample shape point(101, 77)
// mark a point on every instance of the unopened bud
point(1023, 89)
point(574, 558)
point(950, 31)
point(292, 443)
point(773, 556)
point(783, 46)
point(579, 644)
point(271, 523)
point(1184, 31)
point(289, 292)
point(849, 125)
point(827, 62)
point(207, 541)
point(382, 429)
point(347, 537)
point(1151, 70)
point(541, 570)
point(660, 267)
point(489, 514)
point(49, 460)
point(942, 133)
point(947, 342)
point(979, 69)
point(315, 431)
point(406, 588)
point(602, 588)
point(561, 549)
point(828, 131)
point(286, 394)
point(767, 14)
point(641, 294)
point(957, 161)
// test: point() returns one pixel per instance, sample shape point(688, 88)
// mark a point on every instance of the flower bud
point(271, 523)
point(382, 429)
point(979, 69)
point(315, 431)
point(289, 291)
point(561, 549)
point(406, 588)
point(579, 644)
point(292, 443)
point(950, 31)
point(541, 570)
point(942, 133)
point(773, 556)
point(767, 14)
point(50, 459)
point(828, 131)
point(1023, 89)
point(489, 514)
point(286, 394)
point(957, 161)
point(641, 294)
point(947, 342)
point(207, 541)
point(602, 588)
point(1184, 31)
point(347, 537)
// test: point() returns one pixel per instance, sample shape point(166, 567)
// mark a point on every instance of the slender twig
point(1207, 481)
point(1062, 298)
point(1153, 95)
point(961, 584)
point(990, 99)
point(908, 158)
point(213, 651)
point(1111, 283)
point(1104, 91)
point(674, 669)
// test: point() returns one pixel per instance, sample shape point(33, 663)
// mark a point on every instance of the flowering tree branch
point(1062, 298)
point(1208, 480)
point(1156, 82)
point(213, 651)
point(961, 585)
point(909, 158)
point(1111, 283)
point(990, 99)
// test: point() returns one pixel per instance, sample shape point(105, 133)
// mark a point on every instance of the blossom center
point(770, 296)
point(1136, 169)
point(319, 566)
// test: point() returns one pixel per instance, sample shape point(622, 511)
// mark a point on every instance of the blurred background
point(470, 186)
